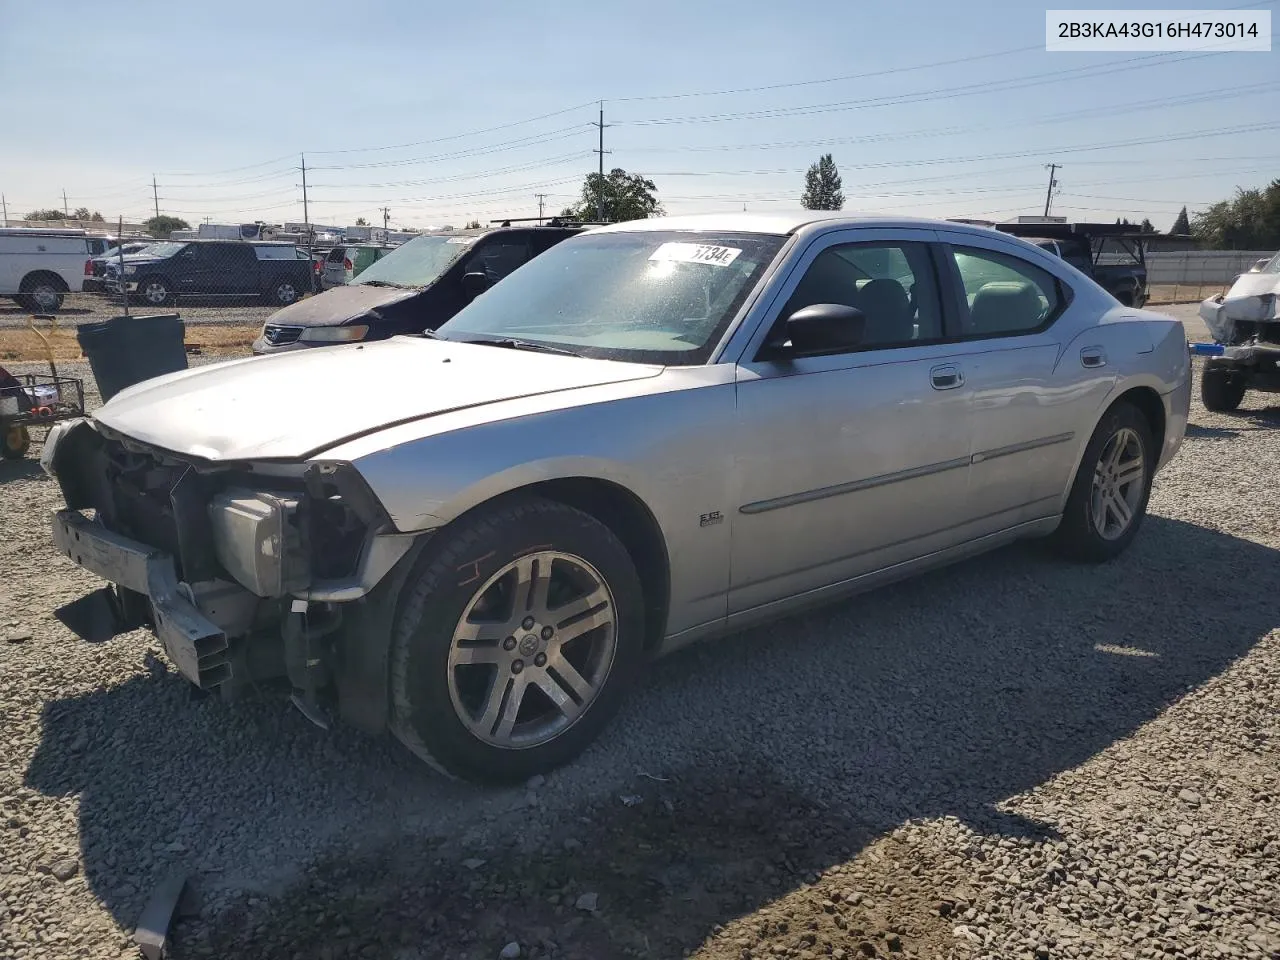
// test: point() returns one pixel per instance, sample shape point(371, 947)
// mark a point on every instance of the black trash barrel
point(123, 351)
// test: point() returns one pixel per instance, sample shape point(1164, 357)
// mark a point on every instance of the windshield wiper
point(523, 345)
point(378, 283)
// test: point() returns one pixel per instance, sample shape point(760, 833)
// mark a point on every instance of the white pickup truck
point(38, 267)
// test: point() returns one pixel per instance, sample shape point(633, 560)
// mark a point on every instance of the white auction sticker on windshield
point(697, 253)
point(461, 240)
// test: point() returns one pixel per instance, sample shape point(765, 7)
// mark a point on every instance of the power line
point(849, 76)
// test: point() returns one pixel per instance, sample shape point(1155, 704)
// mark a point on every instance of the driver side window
point(892, 283)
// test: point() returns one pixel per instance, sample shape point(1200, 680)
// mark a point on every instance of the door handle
point(1093, 357)
point(946, 377)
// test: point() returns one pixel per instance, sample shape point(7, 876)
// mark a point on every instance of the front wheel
point(1109, 496)
point(155, 291)
point(1220, 390)
point(516, 639)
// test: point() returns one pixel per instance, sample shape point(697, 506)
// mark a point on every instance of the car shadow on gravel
point(738, 772)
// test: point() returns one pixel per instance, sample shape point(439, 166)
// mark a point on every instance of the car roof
point(783, 222)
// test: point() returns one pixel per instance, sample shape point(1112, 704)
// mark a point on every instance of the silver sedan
point(655, 433)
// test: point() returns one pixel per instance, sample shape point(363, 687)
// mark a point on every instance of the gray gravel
point(1016, 757)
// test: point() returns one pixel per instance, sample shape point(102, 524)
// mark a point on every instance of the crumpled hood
point(294, 405)
point(1253, 298)
point(338, 305)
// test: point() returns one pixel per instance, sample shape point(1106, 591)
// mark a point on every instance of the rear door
point(1013, 320)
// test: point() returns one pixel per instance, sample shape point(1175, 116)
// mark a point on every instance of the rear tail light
point(346, 264)
point(88, 268)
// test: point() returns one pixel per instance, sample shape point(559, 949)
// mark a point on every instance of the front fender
point(672, 450)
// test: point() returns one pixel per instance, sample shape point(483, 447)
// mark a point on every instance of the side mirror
point(825, 328)
point(474, 284)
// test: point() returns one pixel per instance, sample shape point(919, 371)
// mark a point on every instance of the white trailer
point(39, 267)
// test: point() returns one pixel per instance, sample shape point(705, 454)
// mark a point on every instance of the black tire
point(1077, 535)
point(448, 577)
point(283, 293)
point(154, 292)
point(43, 293)
point(1220, 390)
point(14, 443)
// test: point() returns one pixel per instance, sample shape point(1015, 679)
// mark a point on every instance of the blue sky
point(219, 100)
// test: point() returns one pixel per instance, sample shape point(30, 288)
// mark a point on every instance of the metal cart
point(34, 400)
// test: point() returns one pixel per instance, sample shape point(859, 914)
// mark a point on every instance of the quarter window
point(891, 283)
point(1005, 294)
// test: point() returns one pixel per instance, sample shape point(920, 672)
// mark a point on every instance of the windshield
point(418, 263)
point(1273, 265)
point(161, 250)
point(649, 297)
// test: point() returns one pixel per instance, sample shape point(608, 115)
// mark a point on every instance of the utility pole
point(1053, 169)
point(386, 216)
point(601, 151)
point(541, 197)
point(5, 204)
point(306, 217)
point(65, 212)
point(155, 194)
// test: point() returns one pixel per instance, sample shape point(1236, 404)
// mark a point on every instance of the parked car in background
point(96, 281)
point(39, 267)
point(415, 287)
point(343, 264)
point(656, 432)
point(1245, 324)
point(275, 272)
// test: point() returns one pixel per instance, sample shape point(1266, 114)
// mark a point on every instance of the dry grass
point(20, 345)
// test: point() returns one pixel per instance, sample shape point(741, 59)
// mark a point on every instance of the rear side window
point(1005, 294)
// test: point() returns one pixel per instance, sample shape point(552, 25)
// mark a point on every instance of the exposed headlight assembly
point(258, 540)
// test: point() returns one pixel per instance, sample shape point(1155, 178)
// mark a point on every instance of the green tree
point(160, 227)
point(361, 222)
point(822, 186)
point(83, 213)
point(618, 195)
point(49, 214)
point(1248, 221)
point(472, 225)
point(1182, 226)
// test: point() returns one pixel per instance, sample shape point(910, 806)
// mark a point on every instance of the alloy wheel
point(1118, 482)
point(532, 650)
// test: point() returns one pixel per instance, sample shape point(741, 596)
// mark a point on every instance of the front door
point(857, 461)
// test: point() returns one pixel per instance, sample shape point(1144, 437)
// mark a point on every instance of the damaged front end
point(1245, 325)
point(247, 572)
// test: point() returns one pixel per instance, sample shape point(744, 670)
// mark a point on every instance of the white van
point(38, 267)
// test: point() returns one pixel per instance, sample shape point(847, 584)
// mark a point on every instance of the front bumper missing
point(197, 647)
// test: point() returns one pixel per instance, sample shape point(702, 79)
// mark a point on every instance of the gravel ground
point(91, 308)
point(1014, 757)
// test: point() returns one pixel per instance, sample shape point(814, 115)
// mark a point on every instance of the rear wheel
point(1221, 390)
point(42, 294)
point(1109, 496)
point(515, 642)
point(283, 293)
point(15, 443)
